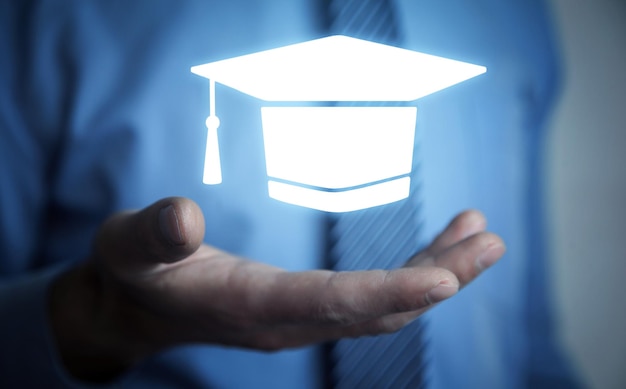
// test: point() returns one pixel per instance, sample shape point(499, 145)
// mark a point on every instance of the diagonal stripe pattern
point(381, 237)
point(366, 19)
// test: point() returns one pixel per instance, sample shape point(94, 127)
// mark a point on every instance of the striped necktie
point(376, 238)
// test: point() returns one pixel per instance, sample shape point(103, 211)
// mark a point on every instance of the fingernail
point(168, 221)
point(488, 257)
point(441, 291)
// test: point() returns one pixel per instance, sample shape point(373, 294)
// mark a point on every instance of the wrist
point(89, 343)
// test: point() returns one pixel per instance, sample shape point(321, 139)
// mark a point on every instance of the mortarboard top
point(333, 158)
point(338, 68)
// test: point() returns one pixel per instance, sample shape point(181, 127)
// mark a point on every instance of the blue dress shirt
point(99, 112)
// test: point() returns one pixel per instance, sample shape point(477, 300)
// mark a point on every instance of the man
point(100, 114)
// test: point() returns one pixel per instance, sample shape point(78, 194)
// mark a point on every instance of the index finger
point(345, 298)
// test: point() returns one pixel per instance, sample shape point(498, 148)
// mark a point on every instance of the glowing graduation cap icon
point(333, 158)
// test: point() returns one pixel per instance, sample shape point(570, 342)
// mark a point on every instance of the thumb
point(165, 232)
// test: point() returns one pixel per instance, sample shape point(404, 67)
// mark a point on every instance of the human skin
point(151, 284)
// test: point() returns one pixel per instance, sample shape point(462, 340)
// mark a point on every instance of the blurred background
point(586, 162)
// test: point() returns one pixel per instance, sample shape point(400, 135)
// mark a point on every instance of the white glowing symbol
point(333, 158)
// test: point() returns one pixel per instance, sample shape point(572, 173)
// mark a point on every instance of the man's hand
point(152, 284)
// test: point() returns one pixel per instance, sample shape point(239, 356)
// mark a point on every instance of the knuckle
point(331, 309)
point(400, 291)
